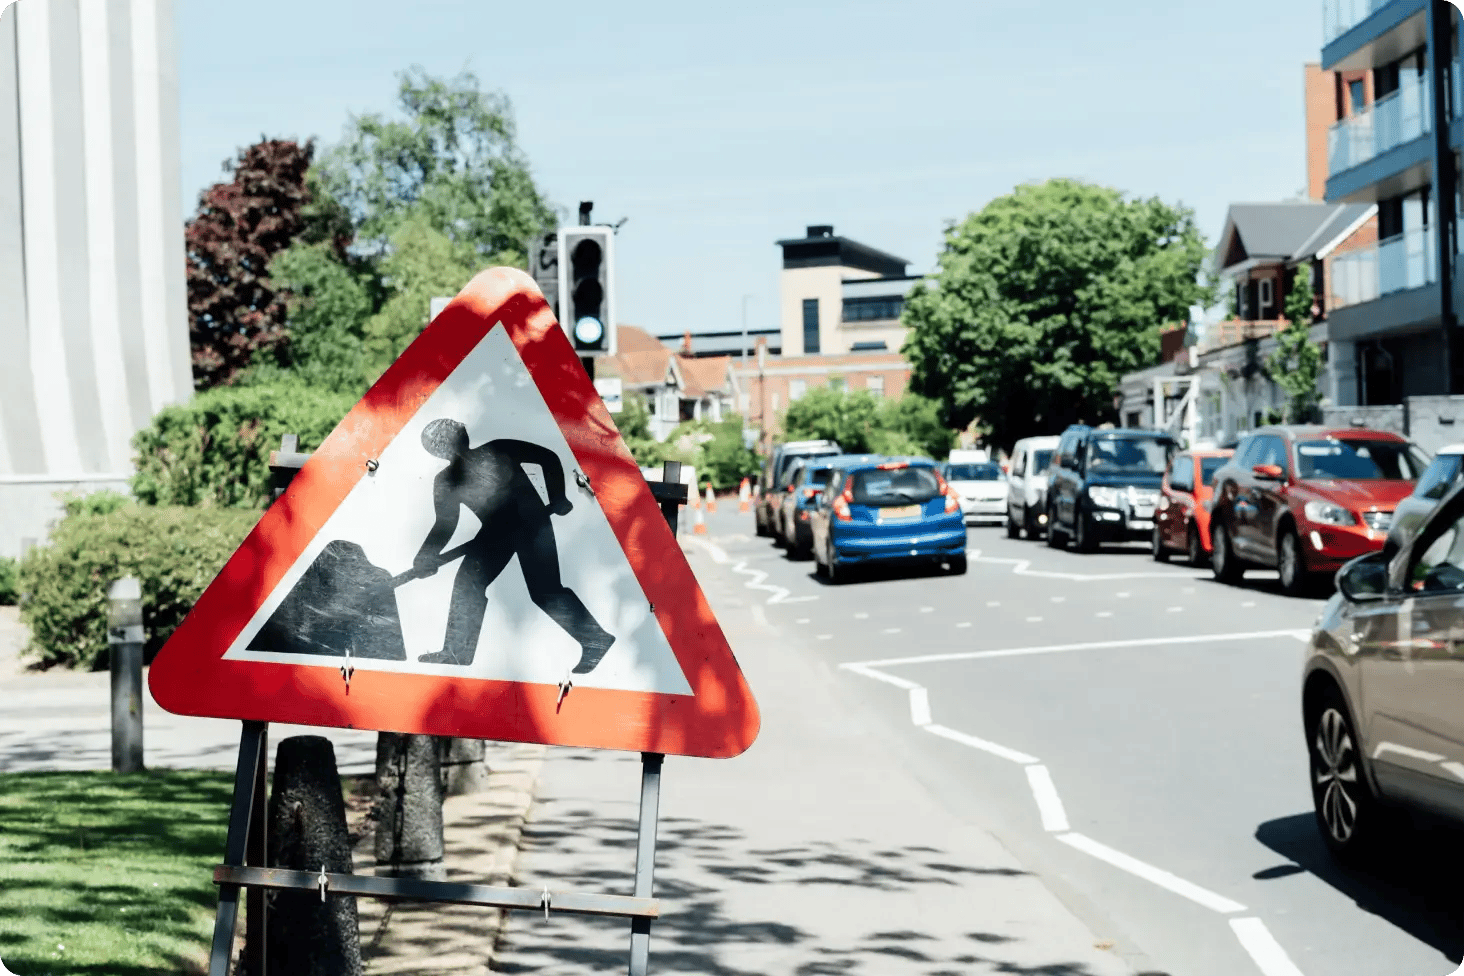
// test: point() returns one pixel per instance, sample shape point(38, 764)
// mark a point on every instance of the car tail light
point(841, 506)
point(811, 492)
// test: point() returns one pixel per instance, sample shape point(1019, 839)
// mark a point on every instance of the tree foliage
point(1044, 299)
point(862, 423)
point(400, 211)
point(235, 311)
point(1296, 365)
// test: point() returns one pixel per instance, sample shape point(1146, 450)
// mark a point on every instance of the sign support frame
point(244, 846)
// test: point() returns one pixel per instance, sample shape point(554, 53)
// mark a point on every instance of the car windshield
point(1356, 459)
point(1127, 455)
point(1208, 467)
point(895, 486)
point(1040, 460)
point(818, 476)
point(973, 472)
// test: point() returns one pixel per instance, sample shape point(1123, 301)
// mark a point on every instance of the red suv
point(1307, 499)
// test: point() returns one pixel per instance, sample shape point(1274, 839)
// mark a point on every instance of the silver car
point(1383, 683)
point(1434, 483)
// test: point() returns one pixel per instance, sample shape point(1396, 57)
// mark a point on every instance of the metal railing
point(1398, 117)
point(1396, 264)
point(1340, 16)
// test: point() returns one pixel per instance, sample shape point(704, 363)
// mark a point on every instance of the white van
point(1027, 486)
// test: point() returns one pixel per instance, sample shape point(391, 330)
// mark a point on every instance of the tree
point(1044, 299)
point(862, 423)
point(451, 161)
point(236, 313)
point(1296, 365)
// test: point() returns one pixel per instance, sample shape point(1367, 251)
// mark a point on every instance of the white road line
point(1267, 953)
point(963, 624)
point(1121, 596)
point(1089, 646)
point(993, 603)
point(927, 609)
point(780, 594)
point(1105, 613)
point(890, 630)
point(1020, 567)
point(1059, 599)
point(920, 707)
point(1248, 603)
point(975, 743)
point(802, 620)
point(1158, 876)
point(1034, 620)
point(888, 679)
point(1049, 804)
point(1176, 609)
point(825, 636)
point(861, 616)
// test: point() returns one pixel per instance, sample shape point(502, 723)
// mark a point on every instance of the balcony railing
point(1396, 264)
point(1340, 16)
point(1398, 117)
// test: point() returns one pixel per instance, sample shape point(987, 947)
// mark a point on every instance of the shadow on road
point(1414, 883)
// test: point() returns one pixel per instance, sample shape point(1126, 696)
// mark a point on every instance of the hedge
point(173, 551)
point(9, 585)
point(215, 449)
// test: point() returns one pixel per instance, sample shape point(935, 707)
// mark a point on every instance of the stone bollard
point(308, 935)
point(464, 768)
point(124, 653)
point(409, 807)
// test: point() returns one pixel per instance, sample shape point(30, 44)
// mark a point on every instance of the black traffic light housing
point(587, 289)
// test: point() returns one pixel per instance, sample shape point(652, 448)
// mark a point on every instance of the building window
point(1357, 94)
point(810, 325)
point(796, 389)
point(742, 402)
point(775, 403)
point(1266, 297)
point(872, 309)
point(875, 385)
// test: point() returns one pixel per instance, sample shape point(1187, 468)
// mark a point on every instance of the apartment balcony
point(1397, 264)
point(1398, 117)
point(1359, 34)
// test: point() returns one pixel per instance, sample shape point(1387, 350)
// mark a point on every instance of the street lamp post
point(744, 330)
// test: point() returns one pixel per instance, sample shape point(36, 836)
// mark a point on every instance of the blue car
point(887, 511)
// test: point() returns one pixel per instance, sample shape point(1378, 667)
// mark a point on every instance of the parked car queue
point(1300, 499)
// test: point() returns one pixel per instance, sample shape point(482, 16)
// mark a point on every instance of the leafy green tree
point(915, 421)
point(1296, 365)
point(850, 417)
point(1044, 299)
point(421, 263)
point(328, 304)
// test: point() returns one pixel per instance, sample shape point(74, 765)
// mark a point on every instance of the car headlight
point(1104, 497)
point(1326, 513)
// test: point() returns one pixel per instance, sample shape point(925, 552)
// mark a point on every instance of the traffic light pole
point(588, 362)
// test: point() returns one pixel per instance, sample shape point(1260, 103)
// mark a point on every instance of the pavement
point(816, 851)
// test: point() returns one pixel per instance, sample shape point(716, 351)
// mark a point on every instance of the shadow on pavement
point(1413, 884)
point(721, 898)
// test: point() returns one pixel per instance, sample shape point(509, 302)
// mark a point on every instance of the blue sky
point(718, 130)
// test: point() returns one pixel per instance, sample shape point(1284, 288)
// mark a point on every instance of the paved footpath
point(813, 852)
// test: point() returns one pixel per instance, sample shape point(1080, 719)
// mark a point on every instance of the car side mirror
point(1270, 472)
point(1364, 579)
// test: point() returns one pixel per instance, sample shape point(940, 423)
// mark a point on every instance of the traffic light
point(587, 288)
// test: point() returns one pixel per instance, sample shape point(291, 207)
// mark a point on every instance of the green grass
point(117, 869)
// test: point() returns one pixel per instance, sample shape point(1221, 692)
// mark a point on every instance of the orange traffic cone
point(711, 499)
point(744, 497)
point(699, 523)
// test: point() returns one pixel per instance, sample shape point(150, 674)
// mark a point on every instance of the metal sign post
point(244, 849)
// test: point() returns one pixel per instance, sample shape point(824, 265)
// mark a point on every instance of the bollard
point(124, 650)
point(463, 767)
point(409, 807)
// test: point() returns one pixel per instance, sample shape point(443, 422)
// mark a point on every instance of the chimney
point(820, 230)
point(686, 343)
point(1321, 112)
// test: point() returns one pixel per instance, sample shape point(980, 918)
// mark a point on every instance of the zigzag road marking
point(1020, 567)
point(780, 594)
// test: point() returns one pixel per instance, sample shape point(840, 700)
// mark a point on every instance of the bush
point(173, 551)
point(9, 581)
point(215, 449)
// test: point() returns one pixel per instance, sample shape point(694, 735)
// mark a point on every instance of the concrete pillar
point(308, 935)
point(409, 807)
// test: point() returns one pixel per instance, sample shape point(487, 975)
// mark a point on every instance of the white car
point(981, 487)
point(1442, 474)
point(1026, 497)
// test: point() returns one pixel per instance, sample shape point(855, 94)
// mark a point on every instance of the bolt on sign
point(472, 552)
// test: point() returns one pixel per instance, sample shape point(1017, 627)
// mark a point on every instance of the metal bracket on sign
point(544, 899)
point(323, 881)
point(564, 687)
point(581, 479)
point(347, 669)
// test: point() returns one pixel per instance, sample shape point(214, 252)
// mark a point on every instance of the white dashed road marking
point(1267, 953)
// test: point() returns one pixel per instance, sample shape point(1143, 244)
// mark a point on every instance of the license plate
point(903, 512)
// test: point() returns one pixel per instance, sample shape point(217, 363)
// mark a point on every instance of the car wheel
point(1029, 524)
point(833, 572)
point(1223, 563)
point(1055, 537)
point(1013, 529)
point(1291, 563)
point(957, 565)
point(1195, 551)
point(1347, 813)
point(819, 569)
point(1083, 534)
point(760, 525)
point(1156, 545)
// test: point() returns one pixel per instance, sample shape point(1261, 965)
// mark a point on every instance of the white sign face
point(557, 582)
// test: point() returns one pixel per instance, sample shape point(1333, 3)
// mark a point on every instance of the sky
point(716, 130)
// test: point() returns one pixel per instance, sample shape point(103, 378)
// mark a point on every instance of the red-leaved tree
point(234, 311)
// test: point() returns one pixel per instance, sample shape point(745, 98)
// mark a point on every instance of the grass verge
point(108, 873)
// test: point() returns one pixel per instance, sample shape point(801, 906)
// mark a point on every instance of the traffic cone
point(711, 499)
point(744, 496)
point(699, 523)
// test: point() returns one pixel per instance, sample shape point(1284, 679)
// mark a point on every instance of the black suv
point(1103, 485)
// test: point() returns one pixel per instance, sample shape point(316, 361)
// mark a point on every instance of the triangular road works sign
point(472, 552)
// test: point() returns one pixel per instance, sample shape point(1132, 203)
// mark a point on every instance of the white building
point(93, 313)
